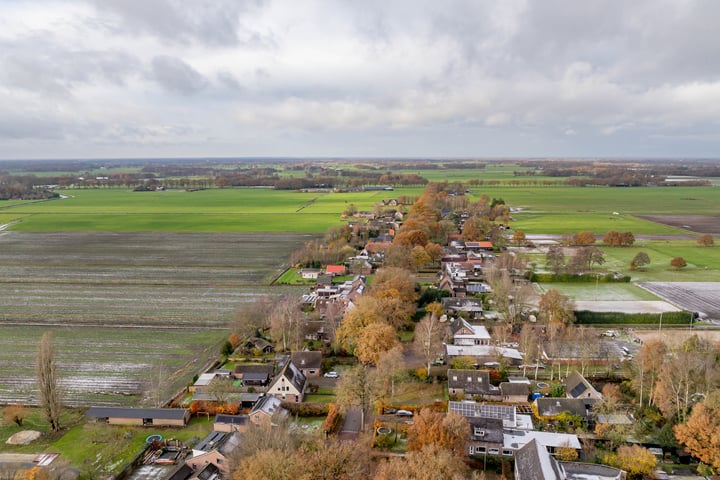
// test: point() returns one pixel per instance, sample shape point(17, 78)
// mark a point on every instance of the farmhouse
point(289, 384)
point(213, 449)
point(486, 436)
point(166, 417)
point(267, 410)
point(472, 383)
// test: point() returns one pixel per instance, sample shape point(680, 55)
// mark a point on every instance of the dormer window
point(479, 432)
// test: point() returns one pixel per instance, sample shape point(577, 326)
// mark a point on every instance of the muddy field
point(131, 312)
point(694, 223)
point(703, 297)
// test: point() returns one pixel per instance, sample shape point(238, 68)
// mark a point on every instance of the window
point(494, 451)
point(507, 452)
point(471, 450)
point(479, 432)
point(480, 449)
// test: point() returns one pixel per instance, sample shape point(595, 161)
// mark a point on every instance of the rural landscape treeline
point(444, 318)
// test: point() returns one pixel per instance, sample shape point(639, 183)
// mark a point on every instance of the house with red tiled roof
point(335, 270)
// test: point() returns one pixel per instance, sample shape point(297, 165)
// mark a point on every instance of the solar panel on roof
point(578, 390)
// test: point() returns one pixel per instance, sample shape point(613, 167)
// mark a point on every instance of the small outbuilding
point(165, 417)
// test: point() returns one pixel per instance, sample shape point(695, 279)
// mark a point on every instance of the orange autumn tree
point(699, 433)
point(448, 431)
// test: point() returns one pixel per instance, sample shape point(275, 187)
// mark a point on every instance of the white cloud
point(223, 77)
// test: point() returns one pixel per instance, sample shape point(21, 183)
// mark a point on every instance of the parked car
point(389, 411)
point(404, 413)
point(331, 375)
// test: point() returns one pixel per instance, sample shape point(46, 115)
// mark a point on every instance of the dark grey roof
point(267, 404)
point(213, 441)
point(533, 462)
point(549, 407)
point(473, 382)
point(116, 412)
point(488, 430)
point(182, 473)
point(577, 386)
point(307, 359)
point(511, 388)
point(231, 419)
point(209, 472)
point(254, 368)
point(291, 373)
point(256, 377)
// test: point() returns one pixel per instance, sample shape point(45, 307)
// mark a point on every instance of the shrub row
point(577, 277)
point(307, 409)
point(585, 317)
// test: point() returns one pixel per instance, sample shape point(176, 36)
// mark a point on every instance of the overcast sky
point(381, 78)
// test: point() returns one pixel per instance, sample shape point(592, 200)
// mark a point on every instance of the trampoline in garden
point(153, 438)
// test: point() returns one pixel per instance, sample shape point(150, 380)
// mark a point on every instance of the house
point(289, 384)
point(267, 410)
point(334, 270)
point(472, 383)
point(310, 273)
point(486, 436)
point(214, 449)
point(548, 408)
point(577, 386)
point(231, 423)
point(309, 363)
point(470, 307)
point(166, 417)
point(254, 375)
point(463, 333)
point(478, 247)
point(534, 462)
point(514, 440)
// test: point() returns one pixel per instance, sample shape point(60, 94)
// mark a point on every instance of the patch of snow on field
point(635, 306)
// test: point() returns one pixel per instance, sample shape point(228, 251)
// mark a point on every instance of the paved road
point(351, 424)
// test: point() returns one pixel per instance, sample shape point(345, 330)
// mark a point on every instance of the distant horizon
point(361, 158)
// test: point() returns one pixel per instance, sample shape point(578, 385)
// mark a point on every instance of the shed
point(168, 417)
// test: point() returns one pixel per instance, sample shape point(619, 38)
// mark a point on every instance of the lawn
point(417, 393)
point(602, 291)
point(97, 448)
point(703, 262)
point(598, 223)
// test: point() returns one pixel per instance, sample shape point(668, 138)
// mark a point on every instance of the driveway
point(351, 424)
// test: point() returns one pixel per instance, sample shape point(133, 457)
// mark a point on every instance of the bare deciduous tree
point(428, 338)
point(48, 390)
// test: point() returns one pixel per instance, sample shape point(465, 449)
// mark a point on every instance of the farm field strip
point(129, 310)
point(601, 292)
point(693, 296)
point(104, 366)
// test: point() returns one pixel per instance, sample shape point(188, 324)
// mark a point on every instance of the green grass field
point(703, 262)
point(601, 292)
point(557, 209)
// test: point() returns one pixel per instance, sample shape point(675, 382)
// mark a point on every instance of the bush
point(585, 317)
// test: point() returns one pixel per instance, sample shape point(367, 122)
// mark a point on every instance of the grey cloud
point(229, 81)
point(176, 75)
point(38, 64)
point(211, 22)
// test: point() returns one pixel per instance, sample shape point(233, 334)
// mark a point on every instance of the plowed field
point(130, 311)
